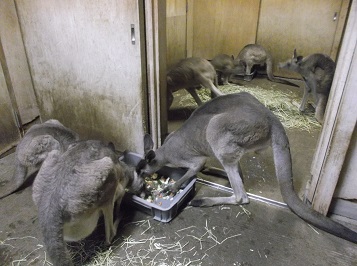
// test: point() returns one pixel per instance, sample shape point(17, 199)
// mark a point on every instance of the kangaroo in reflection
point(317, 71)
point(254, 54)
point(38, 141)
point(225, 67)
point(188, 74)
point(72, 190)
point(226, 128)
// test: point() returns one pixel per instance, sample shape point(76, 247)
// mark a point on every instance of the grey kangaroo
point(72, 190)
point(226, 128)
point(188, 74)
point(38, 141)
point(225, 67)
point(317, 71)
point(254, 54)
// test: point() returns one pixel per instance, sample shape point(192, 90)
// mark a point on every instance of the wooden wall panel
point(9, 133)
point(308, 26)
point(15, 65)
point(176, 30)
point(221, 26)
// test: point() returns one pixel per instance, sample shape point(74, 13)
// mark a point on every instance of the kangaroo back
point(254, 54)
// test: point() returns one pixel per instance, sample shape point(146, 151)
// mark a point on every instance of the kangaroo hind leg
point(239, 197)
point(230, 163)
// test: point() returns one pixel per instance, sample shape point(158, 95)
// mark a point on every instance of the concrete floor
point(256, 234)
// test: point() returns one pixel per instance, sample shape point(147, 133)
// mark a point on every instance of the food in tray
point(153, 189)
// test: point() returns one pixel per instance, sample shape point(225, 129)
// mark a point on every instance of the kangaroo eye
point(150, 156)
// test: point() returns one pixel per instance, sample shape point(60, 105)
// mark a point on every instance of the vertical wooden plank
point(9, 133)
point(347, 182)
point(14, 63)
point(340, 121)
point(308, 26)
point(155, 16)
point(176, 30)
point(189, 28)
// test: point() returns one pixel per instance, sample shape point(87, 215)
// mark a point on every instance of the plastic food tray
point(169, 208)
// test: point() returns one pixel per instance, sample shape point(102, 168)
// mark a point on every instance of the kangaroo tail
point(272, 78)
point(283, 168)
point(51, 222)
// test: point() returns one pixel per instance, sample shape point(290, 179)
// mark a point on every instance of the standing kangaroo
point(188, 74)
point(38, 141)
point(225, 67)
point(317, 71)
point(72, 190)
point(226, 128)
point(254, 54)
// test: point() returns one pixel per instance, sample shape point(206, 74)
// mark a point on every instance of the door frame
point(155, 30)
point(339, 124)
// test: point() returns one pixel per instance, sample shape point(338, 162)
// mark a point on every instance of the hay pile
point(285, 105)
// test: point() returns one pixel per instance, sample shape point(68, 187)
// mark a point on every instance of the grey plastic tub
point(168, 208)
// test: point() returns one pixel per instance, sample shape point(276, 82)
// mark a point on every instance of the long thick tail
point(51, 222)
point(283, 168)
point(272, 78)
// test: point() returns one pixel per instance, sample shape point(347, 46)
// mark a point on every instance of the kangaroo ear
point(295, 55)
point(139, 166)
point(150, 156)
point(148, 143)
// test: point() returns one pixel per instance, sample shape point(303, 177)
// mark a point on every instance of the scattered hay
point(189, 248)
point(283, 104)
point(32, 257)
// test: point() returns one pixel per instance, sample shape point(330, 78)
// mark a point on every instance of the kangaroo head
point(292, 64)
point(150, 164)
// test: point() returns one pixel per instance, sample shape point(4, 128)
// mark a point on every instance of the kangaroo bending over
point(38, 141)
point(225, 67)
point(188, 74)
point(254, 54)
point(226, 128)
point(317, 71)
point(72, 190)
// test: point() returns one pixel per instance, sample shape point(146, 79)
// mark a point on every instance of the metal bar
point(250, 195)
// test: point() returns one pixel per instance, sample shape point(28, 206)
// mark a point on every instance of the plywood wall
point(9, 133)
point(308, 26)
point(226, 26)
point(221, 26)
point(176, 30)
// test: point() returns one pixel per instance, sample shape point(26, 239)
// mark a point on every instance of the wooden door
point(215, 27)
point(309, 26)
point(88, 66)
